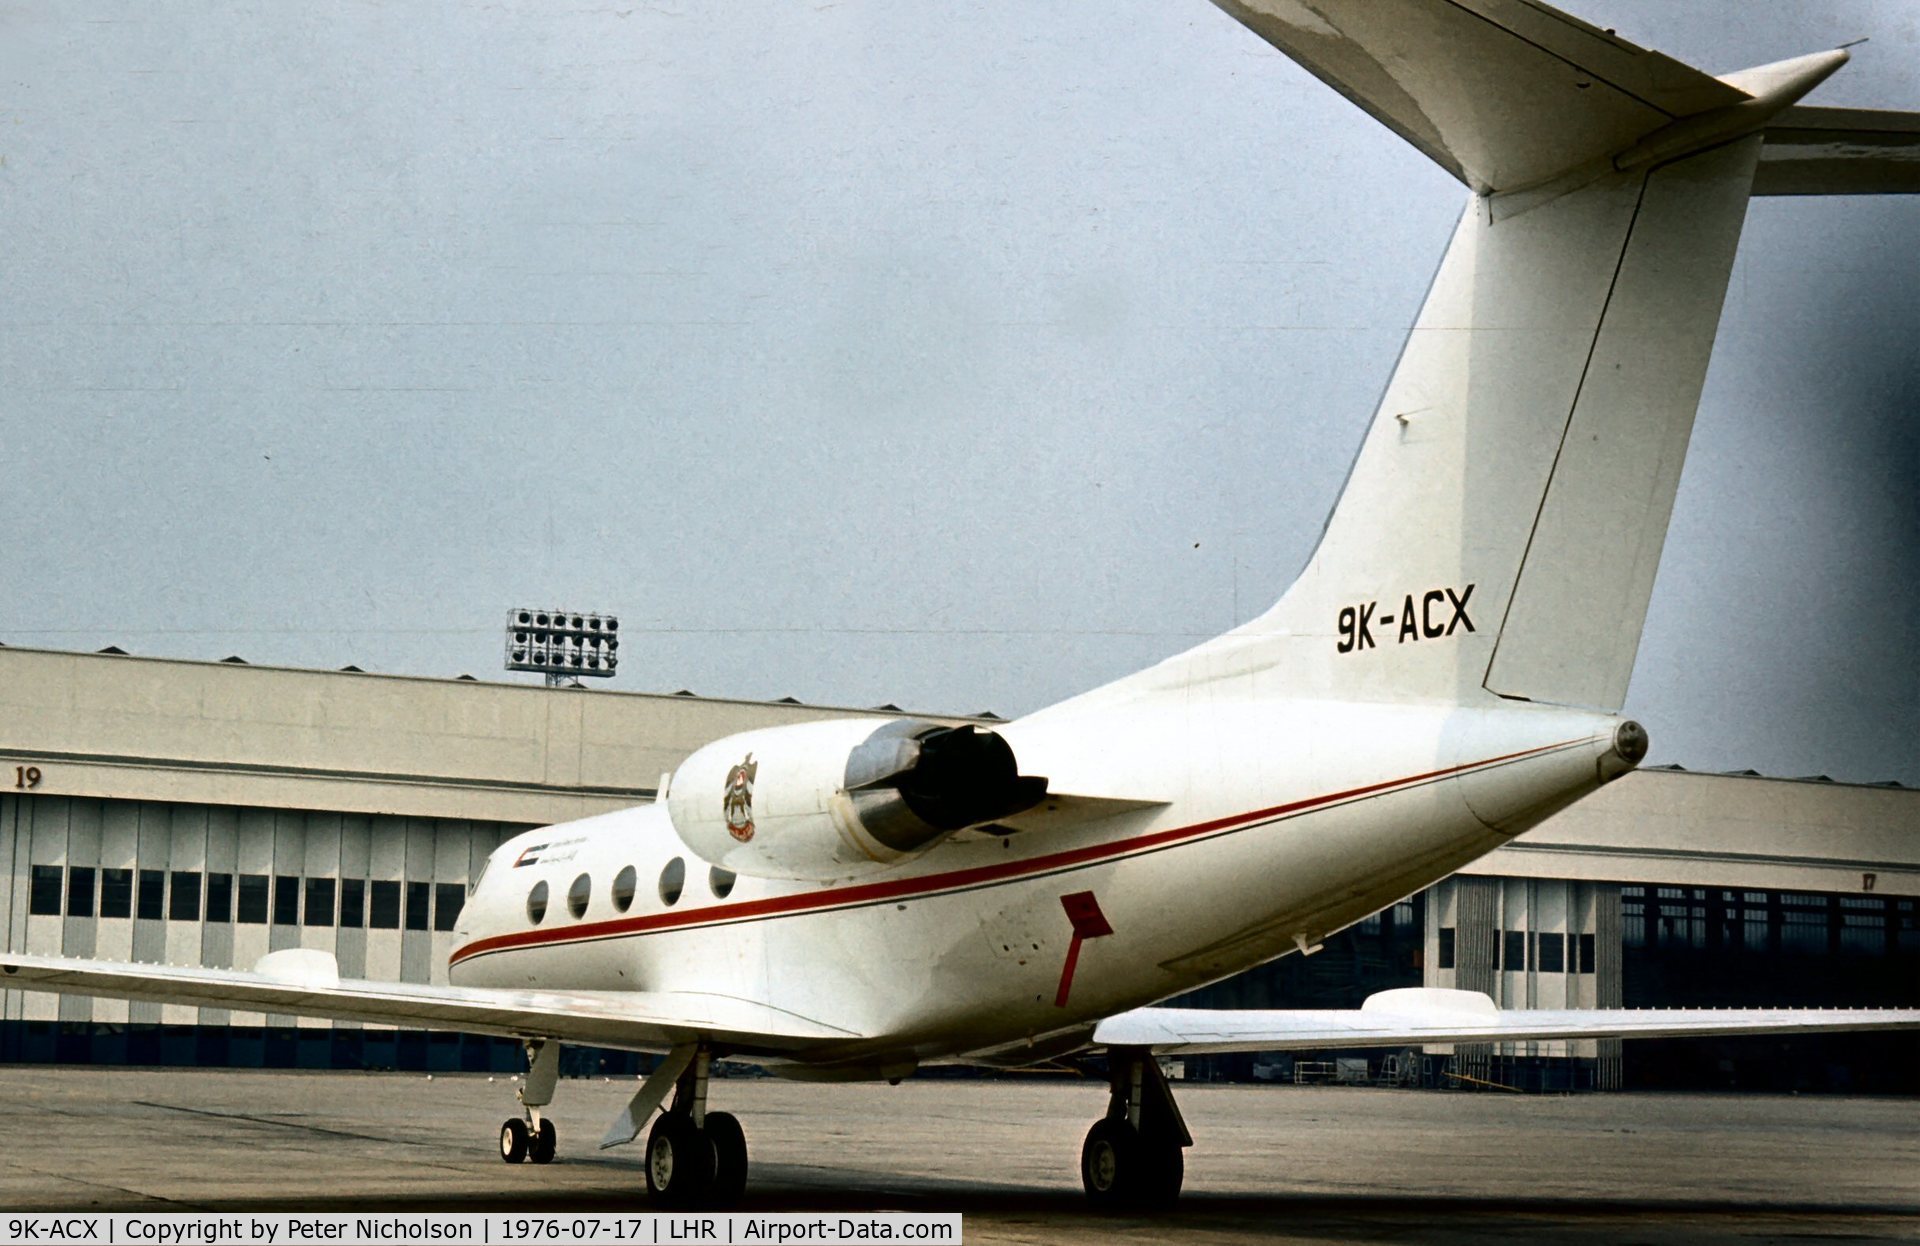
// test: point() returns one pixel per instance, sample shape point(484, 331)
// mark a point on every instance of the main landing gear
point(534, 1138)
point(695, 1157)
point(1132, 1158)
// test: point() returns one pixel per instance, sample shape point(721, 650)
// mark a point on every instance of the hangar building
point(211, 812)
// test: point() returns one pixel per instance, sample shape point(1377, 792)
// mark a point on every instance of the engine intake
point(844, 797)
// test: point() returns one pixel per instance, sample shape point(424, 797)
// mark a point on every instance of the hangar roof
point(232, 733)
point(1729, 830)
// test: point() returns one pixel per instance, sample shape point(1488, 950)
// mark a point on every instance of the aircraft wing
point(305, 983)
point(1417, 1015)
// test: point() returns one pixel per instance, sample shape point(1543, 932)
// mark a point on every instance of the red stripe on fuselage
point(902, 888)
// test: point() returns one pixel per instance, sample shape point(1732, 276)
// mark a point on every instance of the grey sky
point(961, 357)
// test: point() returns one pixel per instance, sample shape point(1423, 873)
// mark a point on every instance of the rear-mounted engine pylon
point(845, 797)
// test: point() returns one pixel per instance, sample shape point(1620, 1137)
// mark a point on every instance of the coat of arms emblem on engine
point(737, 801)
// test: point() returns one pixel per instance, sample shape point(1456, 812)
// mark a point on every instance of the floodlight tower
point(562, 645)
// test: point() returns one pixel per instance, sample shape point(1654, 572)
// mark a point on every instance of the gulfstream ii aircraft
point(852, 899)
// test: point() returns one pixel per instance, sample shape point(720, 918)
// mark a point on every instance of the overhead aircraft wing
point(1417, 1015)
point(298, 982)
point(1840, 151)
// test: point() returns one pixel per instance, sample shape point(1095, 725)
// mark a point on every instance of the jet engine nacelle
point(834, 799)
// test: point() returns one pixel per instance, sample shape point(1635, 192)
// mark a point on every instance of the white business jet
point(855, 898)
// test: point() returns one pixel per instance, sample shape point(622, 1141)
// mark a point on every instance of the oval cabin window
point(577, 896)
point(623, 886)
point(537, 903)
point(720, 882)
point(672, 880)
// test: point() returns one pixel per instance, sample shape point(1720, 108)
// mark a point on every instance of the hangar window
point(1803, 932)
point(1444, 960)
point(419, 896)
point(219, 897)
point(385, 911)
point(537, 903)
point(1755, 926)
point(720, 882)
point(448, 900)
point(153, 895)
point(320, 901)
point(44, 900)
point(1553, 953)
point(1863, 924)
point(673, 879)
point(1514, 958)
point(116, 893)
point(185, 904)
point(624, 884)
point(1677, 923)
point(1804, 922)
point(80, 891)
point(1586, 953)
point(578, 895)
point(253, 899)
point(286, 900)
point(1633, 916)
point(353, 903)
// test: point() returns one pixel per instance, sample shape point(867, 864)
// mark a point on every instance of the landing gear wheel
point(513, 1140)
point(679, 1162)
point(1162, 1169)
point(540, 1146)
point(729, 1158)
point(1121, 1169)
point(1110, 1163)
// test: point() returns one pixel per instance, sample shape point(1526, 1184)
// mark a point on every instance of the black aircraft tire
point(541, 1146)
point(679, 1162)
point(729, 1158)
point(1110, 1164)
point(1163, 1167)
point(513, 1140)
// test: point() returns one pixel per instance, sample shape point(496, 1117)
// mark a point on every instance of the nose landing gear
point(1132, 1158)
point(534, 1138)
point(521, 1140)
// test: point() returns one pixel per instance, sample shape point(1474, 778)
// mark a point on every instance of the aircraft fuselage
point(1287, 823)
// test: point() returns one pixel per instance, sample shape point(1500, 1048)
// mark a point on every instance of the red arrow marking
point(1088, 923)
point(1084, 912)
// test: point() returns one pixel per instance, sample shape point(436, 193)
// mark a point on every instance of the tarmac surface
point(1286, 1163)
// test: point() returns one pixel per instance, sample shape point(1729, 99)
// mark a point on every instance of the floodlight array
point(562, 642)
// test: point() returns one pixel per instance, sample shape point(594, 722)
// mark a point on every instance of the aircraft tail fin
point(1500, 528)
point(1501, 525)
